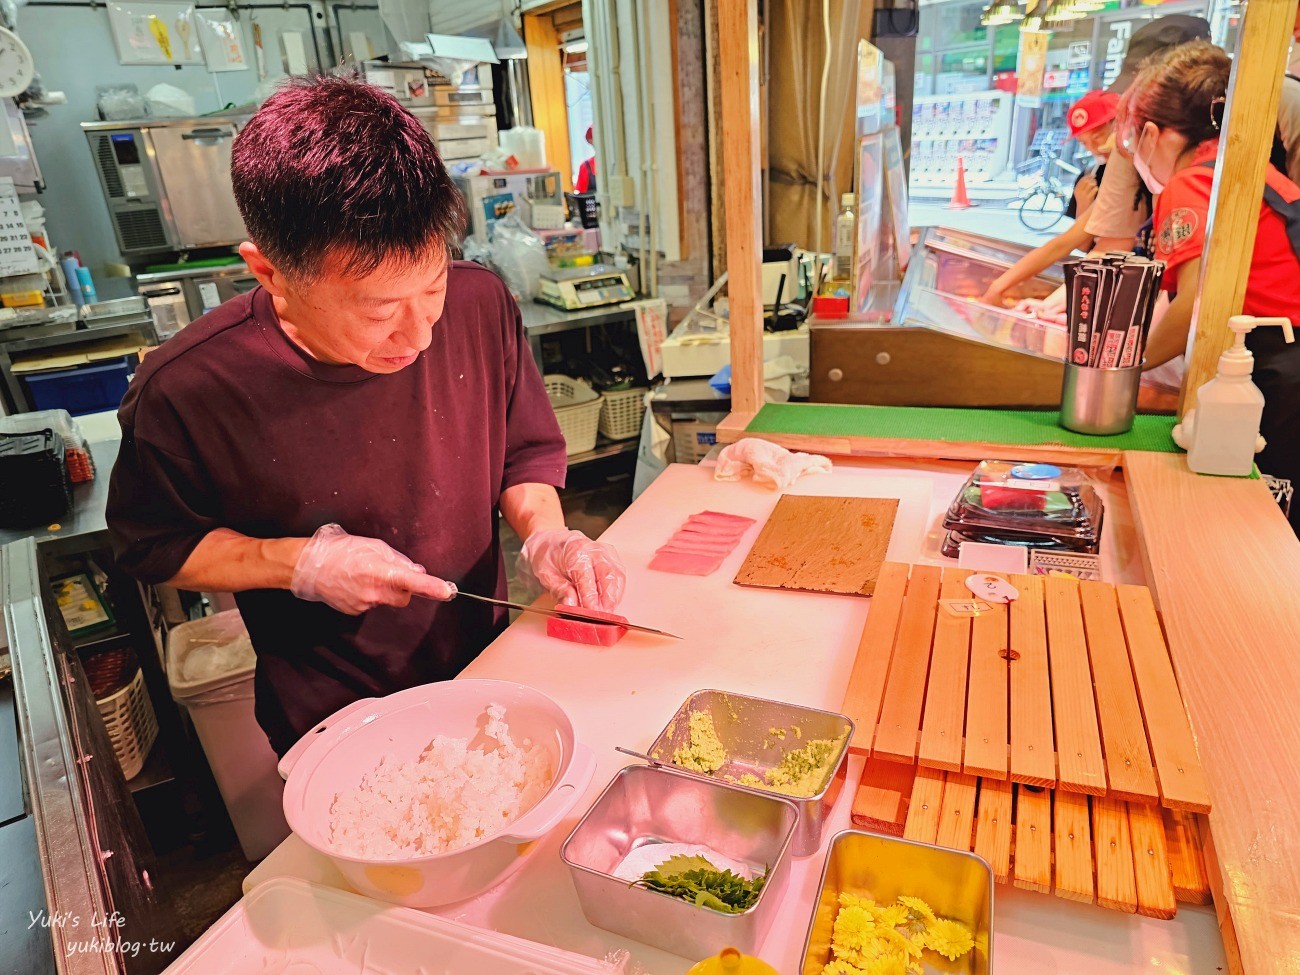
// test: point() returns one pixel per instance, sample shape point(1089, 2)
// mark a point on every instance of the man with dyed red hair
point(343, 437)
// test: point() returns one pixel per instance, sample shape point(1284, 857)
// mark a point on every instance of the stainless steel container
point(1099, 401)
point(745, 725)
point(646, 805)
point(956, 884)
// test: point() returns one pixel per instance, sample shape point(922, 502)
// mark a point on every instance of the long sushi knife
point(566, 614)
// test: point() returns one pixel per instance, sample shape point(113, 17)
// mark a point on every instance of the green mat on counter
point(1021, 428)
point(193, 265)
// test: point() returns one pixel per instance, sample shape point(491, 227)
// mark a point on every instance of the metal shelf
point(103, 640)
point(605, 449)
point(156, 771)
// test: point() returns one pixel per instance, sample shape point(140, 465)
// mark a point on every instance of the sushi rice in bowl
point(424, 797)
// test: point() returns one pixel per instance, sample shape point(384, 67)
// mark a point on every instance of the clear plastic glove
point(768, 462)
point(352, 573)
point(1038, 308)
point(573, 568)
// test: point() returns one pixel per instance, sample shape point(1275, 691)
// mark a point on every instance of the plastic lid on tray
point(1023, 499)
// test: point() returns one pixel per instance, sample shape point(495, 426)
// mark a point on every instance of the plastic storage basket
point(117, 682)
point(577, 406)
point(620, 413)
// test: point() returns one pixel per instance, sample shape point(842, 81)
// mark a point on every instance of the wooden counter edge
point(1222, 562)
point(734, 427)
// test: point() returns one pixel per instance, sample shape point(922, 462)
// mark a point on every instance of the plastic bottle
point(732, 962)
point(87, 284)
point(846, 225)
point(1221, 435)
point(70, 280)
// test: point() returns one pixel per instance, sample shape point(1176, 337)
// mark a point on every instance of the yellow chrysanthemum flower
point(949, 938)
point(887, 965)
point(855, 900)
point(872, 939)
point(895, 916)
point(918, 907)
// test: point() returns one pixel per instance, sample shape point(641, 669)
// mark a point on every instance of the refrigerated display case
point(943, 347)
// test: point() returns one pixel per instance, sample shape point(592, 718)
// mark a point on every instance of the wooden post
point(546, 82)
point(738, 50)
point(1249, 119)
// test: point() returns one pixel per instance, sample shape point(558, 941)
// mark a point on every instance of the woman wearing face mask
point(1092, 122)
point(1169, 123)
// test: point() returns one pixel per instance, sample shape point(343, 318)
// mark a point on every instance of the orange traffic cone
point(960, 199)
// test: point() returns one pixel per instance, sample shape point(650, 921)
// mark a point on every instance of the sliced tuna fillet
point(693, 544)
point(710, 532)
point(686, 563)
point(577, 631)
point(722, 518)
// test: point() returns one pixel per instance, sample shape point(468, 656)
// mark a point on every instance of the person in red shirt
point(587, 171)
point(342, 438)
point(1092, 122)
point(1170, 122)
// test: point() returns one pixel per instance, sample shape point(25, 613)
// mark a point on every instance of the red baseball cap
point(1091, 111)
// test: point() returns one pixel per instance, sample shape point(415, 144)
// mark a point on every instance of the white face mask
point(1143, 168)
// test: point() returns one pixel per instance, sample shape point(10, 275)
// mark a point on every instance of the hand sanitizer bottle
point(1221, 435)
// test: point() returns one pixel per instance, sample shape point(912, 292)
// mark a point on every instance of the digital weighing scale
point(575, 288)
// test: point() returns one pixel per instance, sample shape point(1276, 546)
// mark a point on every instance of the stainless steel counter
point(540, 320)
point(11, 345)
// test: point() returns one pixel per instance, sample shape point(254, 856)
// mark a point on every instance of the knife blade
point(563, 614)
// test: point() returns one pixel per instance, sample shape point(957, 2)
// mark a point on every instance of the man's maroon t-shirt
point(232, 425)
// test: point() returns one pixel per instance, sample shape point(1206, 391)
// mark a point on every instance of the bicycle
point(1043, 197)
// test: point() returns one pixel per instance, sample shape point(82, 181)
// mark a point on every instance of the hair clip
point(1216, 117)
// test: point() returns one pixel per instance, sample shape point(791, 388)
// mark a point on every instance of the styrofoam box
point(289, 925)
point(693, 356)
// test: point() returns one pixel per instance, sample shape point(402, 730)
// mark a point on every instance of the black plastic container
point(34, 484)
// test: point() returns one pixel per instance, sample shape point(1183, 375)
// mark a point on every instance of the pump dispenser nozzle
point(1237, 359)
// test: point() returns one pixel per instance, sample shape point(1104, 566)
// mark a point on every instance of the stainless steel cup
point(1099, 401)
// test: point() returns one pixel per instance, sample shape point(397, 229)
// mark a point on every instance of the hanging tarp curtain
point(795, 51)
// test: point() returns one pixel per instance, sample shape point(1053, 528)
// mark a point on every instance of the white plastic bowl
point(335, 755)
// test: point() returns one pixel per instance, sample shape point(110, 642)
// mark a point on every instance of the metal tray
point(644, 805)
point(956, 884)
point(743, 724)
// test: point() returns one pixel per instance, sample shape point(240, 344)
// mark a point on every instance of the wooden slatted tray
point(1070, 687)
point(1048, 736)
point(1128, 856)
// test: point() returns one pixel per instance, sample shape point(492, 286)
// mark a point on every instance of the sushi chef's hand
point(353, 573)
point(573, 568)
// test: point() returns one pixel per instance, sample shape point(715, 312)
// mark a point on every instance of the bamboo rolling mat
point(1069, 687)
point(1127, 856)
point(821, 544)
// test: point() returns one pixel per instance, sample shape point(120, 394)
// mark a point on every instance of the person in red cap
point(1092, 122)
point(587, 171)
